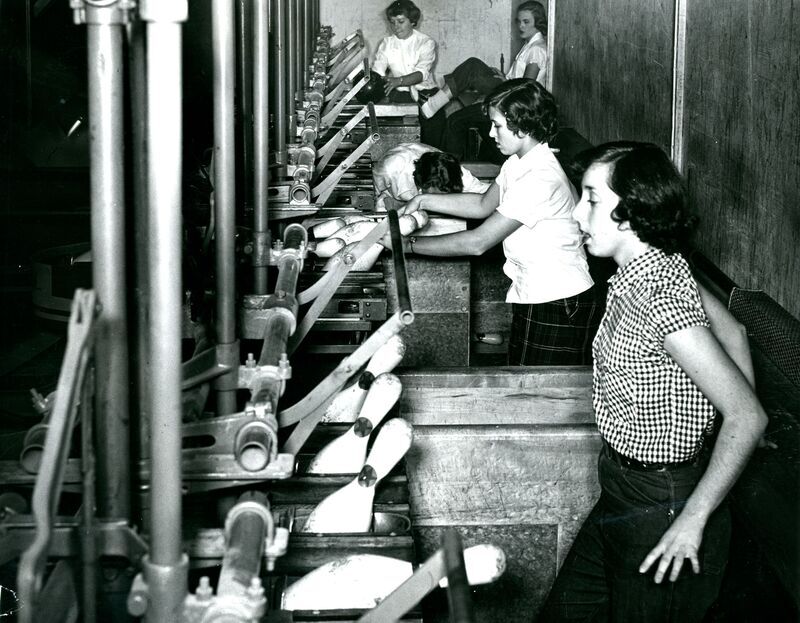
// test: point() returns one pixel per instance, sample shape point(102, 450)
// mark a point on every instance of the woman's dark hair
point(527, 106)
point(539, 14)
point(404, 7)
point(438, 171)
point(652, 197)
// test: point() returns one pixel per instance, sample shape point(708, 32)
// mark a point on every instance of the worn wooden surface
point(613, 68)
point(743, 141)
point(502, 446)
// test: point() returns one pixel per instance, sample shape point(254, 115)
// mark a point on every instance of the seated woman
point(410, 168)
point(475, 75)
point(407, 57)
point(528, 208)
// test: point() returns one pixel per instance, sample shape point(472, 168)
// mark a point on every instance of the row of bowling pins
point(336, 237)
point(366, 404)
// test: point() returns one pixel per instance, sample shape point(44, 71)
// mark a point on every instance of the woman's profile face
point(602, 235)
point(401, 26)
point(508, 141)
point(525, 24)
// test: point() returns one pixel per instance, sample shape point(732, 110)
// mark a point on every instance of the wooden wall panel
point(743, 140)
point(613, 68)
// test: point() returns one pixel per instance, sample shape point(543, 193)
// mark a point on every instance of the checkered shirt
point(646, 406)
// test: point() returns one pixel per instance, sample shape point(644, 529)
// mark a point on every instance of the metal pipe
point(292, 54)
point(308, 35)
point(302, 53)
point(261, 145)
point(244, 29)
point(222, 23)
point(108, 264)
point(248, 526)
point(400, 273)
point(138, 93)
point(164, 167)
point(279, 37)
point(89, 562)
point(677, 142)
point(459, 601)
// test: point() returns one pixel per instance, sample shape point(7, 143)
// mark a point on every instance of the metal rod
point(677, 147)
point(459, 601)
point(308, 35)
point(89, 564)
point(164, 166)
point(244, 29)
point(551, 45)
point(108, 266)
point(279, 99)
point(222, 26)
point(292, 54)
point(302, 52)
point(138, 89)
point(261, 145)
point(400, 273)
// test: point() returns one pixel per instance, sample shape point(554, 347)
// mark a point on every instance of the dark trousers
point(472, 75)
point(558, 333)
point(600, 579)
point(431, 130)
point(459, 132)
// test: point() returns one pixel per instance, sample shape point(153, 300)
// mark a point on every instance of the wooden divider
point(508, 455)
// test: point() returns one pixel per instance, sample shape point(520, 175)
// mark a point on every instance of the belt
point(641, 466)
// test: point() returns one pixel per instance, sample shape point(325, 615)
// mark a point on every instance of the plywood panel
point(743, 137)
point(613, 68)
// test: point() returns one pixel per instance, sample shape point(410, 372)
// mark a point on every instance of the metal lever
point(56, 448)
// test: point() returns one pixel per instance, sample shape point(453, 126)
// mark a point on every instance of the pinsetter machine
point(172, 479)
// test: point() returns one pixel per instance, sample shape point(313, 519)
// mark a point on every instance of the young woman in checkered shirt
point(660, 377)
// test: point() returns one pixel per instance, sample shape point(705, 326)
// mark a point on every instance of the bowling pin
point(347, 403)
point(350, 508)
point(326, 228)
point(346, 453)
point(363, 580)
point(328, 247)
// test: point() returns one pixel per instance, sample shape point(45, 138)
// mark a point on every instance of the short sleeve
point(471, 183)
point(528, 200)
point(674, 309)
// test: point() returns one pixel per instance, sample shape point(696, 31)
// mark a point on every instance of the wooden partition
point(508, 456)
point(613, 68)
point(613, 80)
point(743, 140)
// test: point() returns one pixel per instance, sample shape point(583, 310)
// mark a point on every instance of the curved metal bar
point(47, 491)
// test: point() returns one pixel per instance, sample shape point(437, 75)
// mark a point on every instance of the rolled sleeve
point(426, 58)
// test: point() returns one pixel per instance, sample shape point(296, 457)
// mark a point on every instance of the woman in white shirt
point(406, 57)
point(528, 208)
point(475, 75)
point(407, 169)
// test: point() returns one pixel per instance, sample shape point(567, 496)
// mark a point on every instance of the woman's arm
point(476, 241)
point(698, 353)
point(730, 333)
point(462, 205)
point(408, 80)
point(531, 71)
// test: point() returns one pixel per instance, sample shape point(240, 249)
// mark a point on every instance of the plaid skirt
point(556, 333)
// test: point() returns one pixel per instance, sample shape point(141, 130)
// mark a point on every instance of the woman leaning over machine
point(527, 208)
